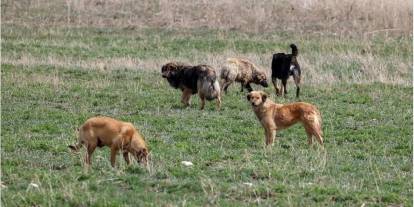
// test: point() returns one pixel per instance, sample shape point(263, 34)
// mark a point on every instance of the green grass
point(367, 128)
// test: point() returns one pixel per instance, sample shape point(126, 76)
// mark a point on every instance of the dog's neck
point(262, 108)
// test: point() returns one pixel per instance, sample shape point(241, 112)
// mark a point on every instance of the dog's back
point(104, 129)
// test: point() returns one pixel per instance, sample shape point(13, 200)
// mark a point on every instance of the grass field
point(54, 79)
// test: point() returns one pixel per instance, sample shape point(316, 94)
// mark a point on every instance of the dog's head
point(141, 156)
point(169, 69)
point(256, 98)
point(260, 78)
point(139, 149)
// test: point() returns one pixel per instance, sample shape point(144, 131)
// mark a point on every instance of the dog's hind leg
point(309, 133)
point(284, 89)
point(274, 81)
point(310, 140)
point(296, 78)
point(314, 130)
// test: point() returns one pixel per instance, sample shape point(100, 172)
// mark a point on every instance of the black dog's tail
point(294, 50)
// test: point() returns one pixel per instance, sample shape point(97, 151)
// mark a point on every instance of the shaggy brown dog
point(199, 79)
point(274, 116)
point(118, 135)
point(243, 71)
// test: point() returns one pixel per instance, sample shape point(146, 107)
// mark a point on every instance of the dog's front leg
point(270, 136)
point(218, 103)
point(225, 85)
point(249, 87)
point(126, 158)
point(270, 130)
point(186, 96)
point(90, 149)
point(114, 151)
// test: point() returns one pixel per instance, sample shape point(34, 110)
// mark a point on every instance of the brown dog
point(199, 79)
point(118, 135)
point(274, 116)
point(242, 71)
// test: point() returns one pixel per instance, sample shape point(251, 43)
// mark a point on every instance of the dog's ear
point(264, 96)
point(248, 96)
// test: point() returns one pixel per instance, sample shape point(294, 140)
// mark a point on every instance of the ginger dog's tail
point(77, 146)
point(318, 122)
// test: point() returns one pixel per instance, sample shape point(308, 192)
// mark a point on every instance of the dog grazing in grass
point(242, 71)
point(275, 116)
point(199, 79)
point(284, 66)
point(118, 135)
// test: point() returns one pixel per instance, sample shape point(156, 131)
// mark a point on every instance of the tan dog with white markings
point(118, 135)
point(275, 116)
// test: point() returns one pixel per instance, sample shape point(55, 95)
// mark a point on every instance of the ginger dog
point(118, 135)
point(275, 116)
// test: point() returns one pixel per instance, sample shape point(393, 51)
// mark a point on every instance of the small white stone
point(187, 163)
point(34, 185)
point(248, 184)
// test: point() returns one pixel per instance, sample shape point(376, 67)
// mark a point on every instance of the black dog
point(199, 79)
point(283, 66)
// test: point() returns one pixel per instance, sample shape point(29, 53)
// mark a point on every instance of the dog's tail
point(77, 146)
point(318, 121)
point(295, 51)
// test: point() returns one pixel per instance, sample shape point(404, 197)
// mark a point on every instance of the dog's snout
point(264, 84)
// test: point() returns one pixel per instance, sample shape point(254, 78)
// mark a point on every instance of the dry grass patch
point(346, 17)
